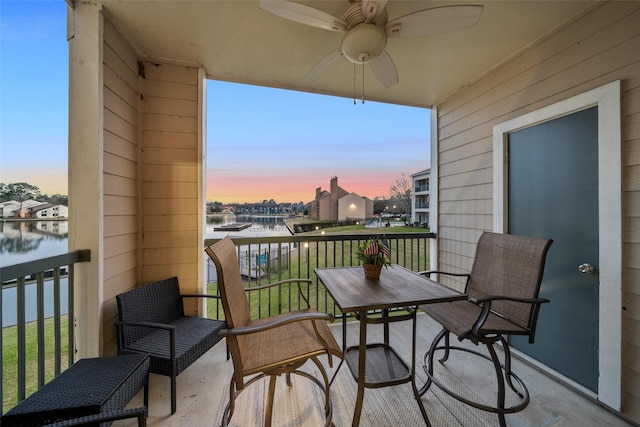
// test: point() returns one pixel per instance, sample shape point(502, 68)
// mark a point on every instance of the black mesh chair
point(152, 321)
point(503, 300)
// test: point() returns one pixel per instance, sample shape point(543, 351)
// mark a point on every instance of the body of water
point(24, 241)
point(261, 226)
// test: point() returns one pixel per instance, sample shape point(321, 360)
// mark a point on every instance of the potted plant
point(374, 254)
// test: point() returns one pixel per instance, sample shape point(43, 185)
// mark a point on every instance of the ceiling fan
point(366, 27)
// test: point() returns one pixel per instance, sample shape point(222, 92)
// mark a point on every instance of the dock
point(236, 226)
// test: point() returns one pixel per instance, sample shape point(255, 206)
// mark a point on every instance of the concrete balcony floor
point(203, 391)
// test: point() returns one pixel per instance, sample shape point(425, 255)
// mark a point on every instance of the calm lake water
point(24, 241)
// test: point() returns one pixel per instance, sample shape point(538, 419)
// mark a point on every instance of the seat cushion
point(194, 336)
point(458, 317)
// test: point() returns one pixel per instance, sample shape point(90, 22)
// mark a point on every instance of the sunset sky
point(262, 143)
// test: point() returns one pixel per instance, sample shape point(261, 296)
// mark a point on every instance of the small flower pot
point(371, 271)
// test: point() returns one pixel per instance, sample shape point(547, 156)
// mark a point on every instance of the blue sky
point(261, 142)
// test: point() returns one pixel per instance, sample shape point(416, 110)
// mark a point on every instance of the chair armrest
point(281, 282)
point(296, 317)
point(507, 298)
point(428, 273)
point(486, 307)
point(146, 325)
point(199, 296)
point(284, 282)
point(172, 333)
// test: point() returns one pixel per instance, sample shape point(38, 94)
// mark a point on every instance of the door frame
point(607, 99)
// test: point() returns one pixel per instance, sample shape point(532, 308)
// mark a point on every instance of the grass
point(10, 358)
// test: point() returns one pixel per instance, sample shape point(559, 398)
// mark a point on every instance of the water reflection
point(267, 225)
point(24, 241)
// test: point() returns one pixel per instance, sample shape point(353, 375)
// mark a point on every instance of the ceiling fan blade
point(384, 69)
point(322, 67)
point(438, 20)
point(303, 14)
point(372, 8)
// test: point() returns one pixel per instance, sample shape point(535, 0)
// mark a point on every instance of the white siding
point(600, 47)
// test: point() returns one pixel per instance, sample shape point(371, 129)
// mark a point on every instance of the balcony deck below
point(202, 392)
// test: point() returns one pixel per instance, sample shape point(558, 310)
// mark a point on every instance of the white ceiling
point(237, 41)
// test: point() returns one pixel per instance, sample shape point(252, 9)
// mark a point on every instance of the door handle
point(586, 268)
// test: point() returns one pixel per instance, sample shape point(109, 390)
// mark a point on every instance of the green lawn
point(10, 358)
point(302, 263)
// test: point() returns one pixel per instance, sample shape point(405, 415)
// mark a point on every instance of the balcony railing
point(269, 259)
point(52, 323)
point(262, 260)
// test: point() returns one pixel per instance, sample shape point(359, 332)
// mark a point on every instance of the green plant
point(374, 251)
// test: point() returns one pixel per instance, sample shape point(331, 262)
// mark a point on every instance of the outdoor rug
point(302, 404)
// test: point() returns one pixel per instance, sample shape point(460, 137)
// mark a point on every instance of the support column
point(86, 213)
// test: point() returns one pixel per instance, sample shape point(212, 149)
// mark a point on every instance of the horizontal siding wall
point(121, 154)
point(171, 184)
point(600, 47)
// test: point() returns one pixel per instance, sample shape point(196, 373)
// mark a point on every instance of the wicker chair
point(503, 289)
point(152, 321)
point(271, 346)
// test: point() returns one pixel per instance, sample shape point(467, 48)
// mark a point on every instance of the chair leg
point(228, 412)
point(507, 367)
point(500, 377)
point(269, 408)
point(428, 365)
point(173, 395)
point(446, 349)
point(327, 385)
point(288, 376)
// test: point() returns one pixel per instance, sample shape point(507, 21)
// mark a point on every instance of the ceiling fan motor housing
point(363, 43)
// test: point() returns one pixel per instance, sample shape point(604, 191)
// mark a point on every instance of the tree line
point(398, 202)
point(21, 191)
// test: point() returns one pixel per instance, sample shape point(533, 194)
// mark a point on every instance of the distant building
point(8, 208)
point(48, 211)
point(338, 204)
point(32, 209)
point(420, 200)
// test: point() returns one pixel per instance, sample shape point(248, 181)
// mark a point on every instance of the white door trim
point(607, 99)
point(434, 190)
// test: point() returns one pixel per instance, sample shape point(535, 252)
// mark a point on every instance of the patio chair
point(270, 346)
point(503, 300)
point(152, 321)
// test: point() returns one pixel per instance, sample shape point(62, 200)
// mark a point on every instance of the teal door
point(553, 193)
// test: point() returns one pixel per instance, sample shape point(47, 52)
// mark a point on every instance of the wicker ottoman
point(103, 385)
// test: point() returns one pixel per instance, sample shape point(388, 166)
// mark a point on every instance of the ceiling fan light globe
point(366, 41)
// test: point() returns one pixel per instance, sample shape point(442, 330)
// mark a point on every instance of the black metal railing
point(262, 260)
point(269, 259)
point(52, 323)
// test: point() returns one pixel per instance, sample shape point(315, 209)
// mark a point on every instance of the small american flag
point(375, 248)
point(385, 249)
point(372, 249)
